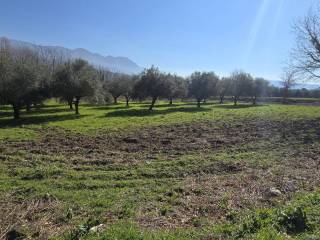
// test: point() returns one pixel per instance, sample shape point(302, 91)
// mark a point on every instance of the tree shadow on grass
point(42, 110)
point(51, 109)
point(240, 106)
point(120, 106)
point(28, 120)
point(110, 107)
point(50, 106)
point(178, 103)
point(5, 111)
point(5, 114)
point(146, 112)
point(161, 105)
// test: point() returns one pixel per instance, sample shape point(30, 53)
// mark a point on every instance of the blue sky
point(176, 35)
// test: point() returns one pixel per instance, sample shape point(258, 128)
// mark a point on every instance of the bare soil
point(172, 140)
point(215, 191)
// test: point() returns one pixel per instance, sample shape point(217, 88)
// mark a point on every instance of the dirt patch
point(171, 140)
point(227, 189)
point(38, 215)
point(213, 191)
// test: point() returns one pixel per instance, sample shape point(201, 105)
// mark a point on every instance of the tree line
point(29, 76)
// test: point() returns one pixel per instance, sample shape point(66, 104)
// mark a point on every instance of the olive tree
point(114, 86)
point(42, 88)
point(178, 87)
point(202, 85)
point(223, 88)
point(18, 87)
point(259, 89)
point(75, 80)
point(102, 95)
point(127, 86)
point(5, 67)
point(18, 75)
point(153, 84)
point(241, 85)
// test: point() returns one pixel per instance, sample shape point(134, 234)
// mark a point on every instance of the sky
point(179, 36)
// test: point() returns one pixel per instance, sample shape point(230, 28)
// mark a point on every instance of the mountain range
point(298, 85)
point(111, 63)
point(117, 64)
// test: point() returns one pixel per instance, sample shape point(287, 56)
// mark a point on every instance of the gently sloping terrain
point(181, 175)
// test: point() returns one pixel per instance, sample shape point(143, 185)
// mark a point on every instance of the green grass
point(94, 120)
point(126, 195)
point(301, 215)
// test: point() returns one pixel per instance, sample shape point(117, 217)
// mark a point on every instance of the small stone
point(274, 192)
point(290, 186)
point(98, 228)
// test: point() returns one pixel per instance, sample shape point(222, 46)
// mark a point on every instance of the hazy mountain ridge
point(299, 85)
point(114, 64)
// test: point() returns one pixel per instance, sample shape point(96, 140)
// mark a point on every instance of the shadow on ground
point(146, 112)
point(110, 107)
point(146, 105)
point(240, 106)
point(28, 120)
point(52, 109)
point(49, 110)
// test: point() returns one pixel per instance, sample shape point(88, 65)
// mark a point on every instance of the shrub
point(293, 220)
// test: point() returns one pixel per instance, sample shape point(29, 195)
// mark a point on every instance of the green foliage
point(153, 84)
point(293, 220)
point(75, 80)
point(203, 85)
point(82, 230)
point(241, 85)
point(18, 78)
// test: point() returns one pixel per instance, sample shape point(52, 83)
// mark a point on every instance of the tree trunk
point(204, 100)
point(254, 100)
point(221, 99)
point(76, 104)
point(285, 96)
point(235, 101)
point(154, 99)
point(115, 100)
point(28, 107)
point(70, 104)
point(16, 110)
point(127, 101)
point(198, 102)
point(170, 101)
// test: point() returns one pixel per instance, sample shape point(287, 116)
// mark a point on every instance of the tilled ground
point(214, 191)
point(169, 139)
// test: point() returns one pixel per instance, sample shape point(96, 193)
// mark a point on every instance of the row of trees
point(203, 85)
point(22, 77)
point(154, 84)
point(29, 76)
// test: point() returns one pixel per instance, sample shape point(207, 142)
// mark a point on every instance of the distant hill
point(114, 64)
point(309, 86)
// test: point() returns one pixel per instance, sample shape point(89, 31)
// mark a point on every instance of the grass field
point(178, 172)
